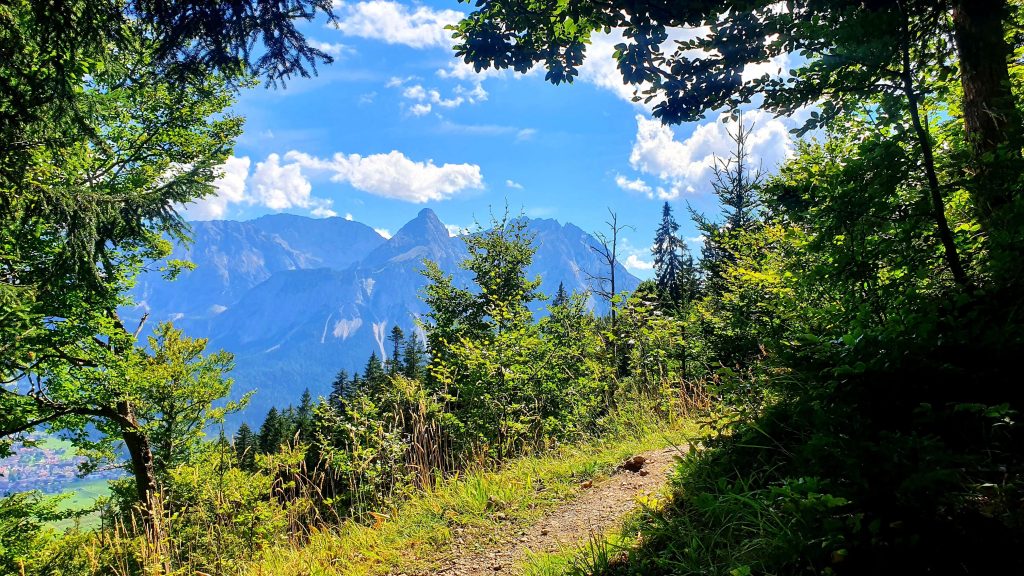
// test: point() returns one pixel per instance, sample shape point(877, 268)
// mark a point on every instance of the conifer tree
point(673, 264)
point(735, 182)
point(245, 448)
point(374, 376)
point(341, 390)
point(271, 434)
point(412, 358)
point(561, 298)
point(304, 417)
point(394, 363)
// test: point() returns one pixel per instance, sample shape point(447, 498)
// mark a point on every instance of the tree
point(607, 248)
point(272, 433)
point(112, 115)
point(396, 338)
point(304, 417)
point(341, 389)
point(561, 298)
point(374, 375)
point(735, 182)
point(412, 358)
point(245, 448)
point(178, 405)
point(849, 49)
point(673, 265)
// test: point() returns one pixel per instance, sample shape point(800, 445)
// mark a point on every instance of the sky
point(398, 123)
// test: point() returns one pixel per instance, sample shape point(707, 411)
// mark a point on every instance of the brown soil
point(597, 509)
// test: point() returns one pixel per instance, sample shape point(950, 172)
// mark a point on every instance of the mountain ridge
point(296, 299)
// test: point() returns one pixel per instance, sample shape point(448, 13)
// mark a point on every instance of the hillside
point(296, 299)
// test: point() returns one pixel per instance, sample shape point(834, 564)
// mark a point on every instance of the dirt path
point(596, 510)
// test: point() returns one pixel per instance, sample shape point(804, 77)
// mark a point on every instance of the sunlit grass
point(472, 510)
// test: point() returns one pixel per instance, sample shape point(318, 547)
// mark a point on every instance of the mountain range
point(296, 299)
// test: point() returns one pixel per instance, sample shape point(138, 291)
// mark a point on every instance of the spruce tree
point(271, 434)
point(673, 264)
point(374, 376)
point(561, 297)
point(735, 181)
point(341, 390)
point(412, 358)
point(304, 417)
point(245, 448)
point(396, 338)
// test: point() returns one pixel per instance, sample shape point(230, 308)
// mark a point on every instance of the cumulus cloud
point(686, 165)
point(270, 185)
point(513, 184)
point(348, 216)
point(633, 262)
point(426, 98)
point(456, 230)
point(395, 176)
point(230, 189)
point(634, 185)
point(397, 23)
point(383, 232)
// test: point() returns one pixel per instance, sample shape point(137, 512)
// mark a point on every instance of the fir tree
point(735, 182)
point(412, 358)
point(245, 448)
point(304, 417)
point(341, 390)
point(396, 338)
point(673, 264)
point(271, 434)
point(561, 298)
point(374, 376)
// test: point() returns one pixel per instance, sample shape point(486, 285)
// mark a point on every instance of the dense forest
point(848, 337)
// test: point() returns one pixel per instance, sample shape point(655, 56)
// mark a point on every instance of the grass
point(82, 495)
point(470, 511)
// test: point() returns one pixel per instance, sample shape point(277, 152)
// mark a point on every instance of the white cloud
point(367, 98)
point(230, 189)
point(396, 23)
point(633, 262)
point(685, 166)
point(348, 216)
point(456, 230)
point(460, 70)
point(323, 212)
point(426, 98)
point(337, 49)
point(395, 176)
point(635, 185)
point(383, 232)
point(419, 109)
point(525, 134)
point(601, 69)
point(280, 187)
point(513, 184)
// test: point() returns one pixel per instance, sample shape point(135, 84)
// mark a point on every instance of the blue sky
point(398, 123)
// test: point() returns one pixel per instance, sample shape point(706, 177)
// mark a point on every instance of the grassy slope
point(418, 535)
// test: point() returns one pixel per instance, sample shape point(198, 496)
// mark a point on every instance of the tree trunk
point(990, 114)
point(141, 455)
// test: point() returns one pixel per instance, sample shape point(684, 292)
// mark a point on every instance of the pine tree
point(396, 338)
point(673, 264)
point(245, 448)
point(561, 298)
point(271, 434)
